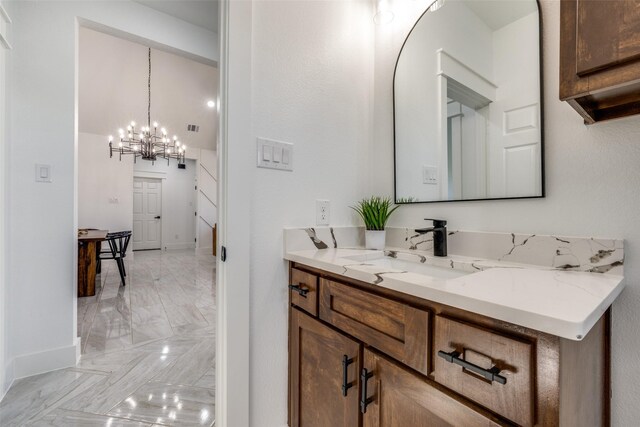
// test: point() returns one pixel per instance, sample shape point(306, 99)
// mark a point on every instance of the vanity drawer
point(460, 348)
point(307, 297)
point(397, 329)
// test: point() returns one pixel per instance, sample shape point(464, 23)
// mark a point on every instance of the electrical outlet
point(323, 214)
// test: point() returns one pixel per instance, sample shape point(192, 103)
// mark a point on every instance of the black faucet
point(439, 230)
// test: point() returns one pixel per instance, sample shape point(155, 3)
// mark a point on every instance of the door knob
point(158, 217)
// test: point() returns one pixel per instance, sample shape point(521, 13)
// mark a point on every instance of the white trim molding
point(234, 186)
point(152, 175)
point(4, 15)
point(45, 361)
point(6, 20)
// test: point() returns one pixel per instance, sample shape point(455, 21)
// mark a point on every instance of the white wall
point(43, 121)
point(178, 200)
point(4, 31)
point(592, 178)
point(312, 78)
point(101, 180)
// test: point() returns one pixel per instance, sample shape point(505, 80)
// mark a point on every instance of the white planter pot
point(375, 239)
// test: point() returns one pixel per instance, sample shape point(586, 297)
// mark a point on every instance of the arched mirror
point(468, 105)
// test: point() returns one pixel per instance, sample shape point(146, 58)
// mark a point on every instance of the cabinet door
point(600, 57)
point(397, 397)
point(317, 375)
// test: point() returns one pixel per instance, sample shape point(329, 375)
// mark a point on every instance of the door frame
point(160, 177)
point(4, 380)
point(234, 219)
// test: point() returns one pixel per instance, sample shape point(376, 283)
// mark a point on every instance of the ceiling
point(498, 13)
point(203, 13)
point(113, 76)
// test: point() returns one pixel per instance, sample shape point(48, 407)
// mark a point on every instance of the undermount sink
point(389, 263)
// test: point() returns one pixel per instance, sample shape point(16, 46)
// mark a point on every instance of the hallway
point(148, 352)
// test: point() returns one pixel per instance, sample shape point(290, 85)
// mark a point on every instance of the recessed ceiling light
point(211, 104)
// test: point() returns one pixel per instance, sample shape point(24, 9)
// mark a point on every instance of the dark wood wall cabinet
point(365, 356)
point(600, 58)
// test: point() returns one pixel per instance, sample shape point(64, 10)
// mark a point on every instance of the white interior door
point(147, 210)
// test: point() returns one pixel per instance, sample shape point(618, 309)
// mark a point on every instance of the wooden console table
point(88, 248)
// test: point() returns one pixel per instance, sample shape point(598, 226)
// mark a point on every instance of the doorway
point(147, 213)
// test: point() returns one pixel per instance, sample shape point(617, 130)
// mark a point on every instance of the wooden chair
point(118, 243)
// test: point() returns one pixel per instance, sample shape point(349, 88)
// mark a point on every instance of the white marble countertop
point(562, 303)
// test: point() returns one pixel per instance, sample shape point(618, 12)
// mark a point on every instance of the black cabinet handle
point(346, 385)
point(489, 374)
point(364, 400)
point(302, 291)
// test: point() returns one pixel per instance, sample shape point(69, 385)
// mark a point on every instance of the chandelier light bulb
point(175, 138)
point(177, 143)
point(153, 150)
point(168, 150)
point(128, 127)
point(164, 131)
point(211, 104)
point(184, 147)
point(110, 138)
point(155, 124)
point(120, 144)
point(133, 124)
point(136, 148)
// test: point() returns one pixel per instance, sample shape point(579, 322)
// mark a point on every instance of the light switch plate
point(43, 173)
point(274, 154)
point(430, 175)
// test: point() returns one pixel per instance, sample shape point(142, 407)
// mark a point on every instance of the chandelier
point(148, 142)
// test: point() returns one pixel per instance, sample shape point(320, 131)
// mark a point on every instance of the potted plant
point(375, 212)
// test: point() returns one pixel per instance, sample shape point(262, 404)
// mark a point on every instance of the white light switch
point(275, 154)
point(43, 173)
point(267, 153)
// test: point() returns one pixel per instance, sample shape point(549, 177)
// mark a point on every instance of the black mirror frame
point(542, 128)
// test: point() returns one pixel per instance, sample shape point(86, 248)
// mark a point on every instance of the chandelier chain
point(149, 92)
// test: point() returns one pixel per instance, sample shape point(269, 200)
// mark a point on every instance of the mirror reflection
point(467, 107)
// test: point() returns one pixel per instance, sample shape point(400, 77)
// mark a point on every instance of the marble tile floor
point(148, 352)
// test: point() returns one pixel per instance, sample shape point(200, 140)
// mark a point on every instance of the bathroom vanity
point(402, 338)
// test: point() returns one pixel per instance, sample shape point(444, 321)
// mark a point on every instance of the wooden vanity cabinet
point(367, 356)
point(320, 361)
point(600, 58)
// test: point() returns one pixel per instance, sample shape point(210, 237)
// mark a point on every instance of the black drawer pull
point(346, 385)
point(364, 400)
point(302, 291)
point(489, 374)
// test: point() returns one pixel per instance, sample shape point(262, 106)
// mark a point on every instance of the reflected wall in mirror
point(467, 104)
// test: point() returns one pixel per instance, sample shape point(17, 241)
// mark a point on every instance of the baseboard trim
point(46, 361)
point(171, 246)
